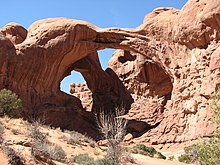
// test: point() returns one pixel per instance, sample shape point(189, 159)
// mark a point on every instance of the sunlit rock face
point(172, 80)
point(168, 67)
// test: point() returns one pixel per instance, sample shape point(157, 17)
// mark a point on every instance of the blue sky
point(102, 13)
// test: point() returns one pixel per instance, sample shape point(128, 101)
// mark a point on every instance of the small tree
point(113, 127)
point(10, 104)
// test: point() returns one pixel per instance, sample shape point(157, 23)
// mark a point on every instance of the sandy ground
point(144, 160)
point(16, 135)
point(3, 158)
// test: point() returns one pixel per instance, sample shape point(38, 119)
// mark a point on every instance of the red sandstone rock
point(173, 55)
point(82, 92)
point(15, 32)
point(179, 63)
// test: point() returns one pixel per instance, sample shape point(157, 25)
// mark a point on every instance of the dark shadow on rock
point(138, 128)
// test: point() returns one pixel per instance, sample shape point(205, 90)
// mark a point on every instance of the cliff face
point(173, 58)
point(180, 65)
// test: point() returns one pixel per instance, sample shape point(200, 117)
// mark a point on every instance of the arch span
point(51, 50)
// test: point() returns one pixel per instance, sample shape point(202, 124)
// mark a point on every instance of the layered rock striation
point(168, 67)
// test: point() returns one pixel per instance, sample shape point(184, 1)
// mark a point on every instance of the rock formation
point(182, 69)
point(172, 58)
point(82, 92)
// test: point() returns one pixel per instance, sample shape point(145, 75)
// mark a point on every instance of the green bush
point(171, 158)
point(185, 158)
point(149, 151)
point(206, 152)
point(10, 104)
point(83, 159)
point(215, 106)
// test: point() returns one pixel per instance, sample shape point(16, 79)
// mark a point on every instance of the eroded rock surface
point(82, 92)
point(182, 68)
point(173, 57)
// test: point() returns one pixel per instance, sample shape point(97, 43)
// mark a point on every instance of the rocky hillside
point(24, 143)
point(167, 67)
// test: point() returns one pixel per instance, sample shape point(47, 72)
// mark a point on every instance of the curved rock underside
point(168, 67)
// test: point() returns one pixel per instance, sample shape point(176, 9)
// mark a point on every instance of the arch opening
point(150, 86)
point(104, 89)
point(83, 80)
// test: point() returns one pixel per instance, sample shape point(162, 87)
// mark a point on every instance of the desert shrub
point(215, 106)
point(13, 156)
point(171, 158)
point(75, 138)
point(57, 153)
point(10, 104)
point(78, 138)
point(185, 158)
point(113, 128)
point(41, 148)
point(34, 132)
point(1, 132)
point(159, 155)
point(126, 157)
point(104, 161)
point(148, 151)
point(144, 150)
point(97, 151)
point(83, 159)
point(205, 153)
point(46, 151)
point(209, 152)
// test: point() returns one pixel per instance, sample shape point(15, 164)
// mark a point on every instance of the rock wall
point(173, 58)
point(182, 69)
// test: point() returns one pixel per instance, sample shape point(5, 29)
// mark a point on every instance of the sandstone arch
point(183, 44)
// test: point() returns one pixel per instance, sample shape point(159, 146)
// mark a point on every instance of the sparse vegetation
point(171, 158)
point(113, 128)
point(57, 153)
point(34, 132)
point(148, 151)
point(42, 149)
point(75, 138)
point(207, 152)
point(78, 138)
point(97, 151)
point(46, 151)
point(10, 104)
point(13, 156)
point(83, 159)
point(1, 132)
point(185, 158)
